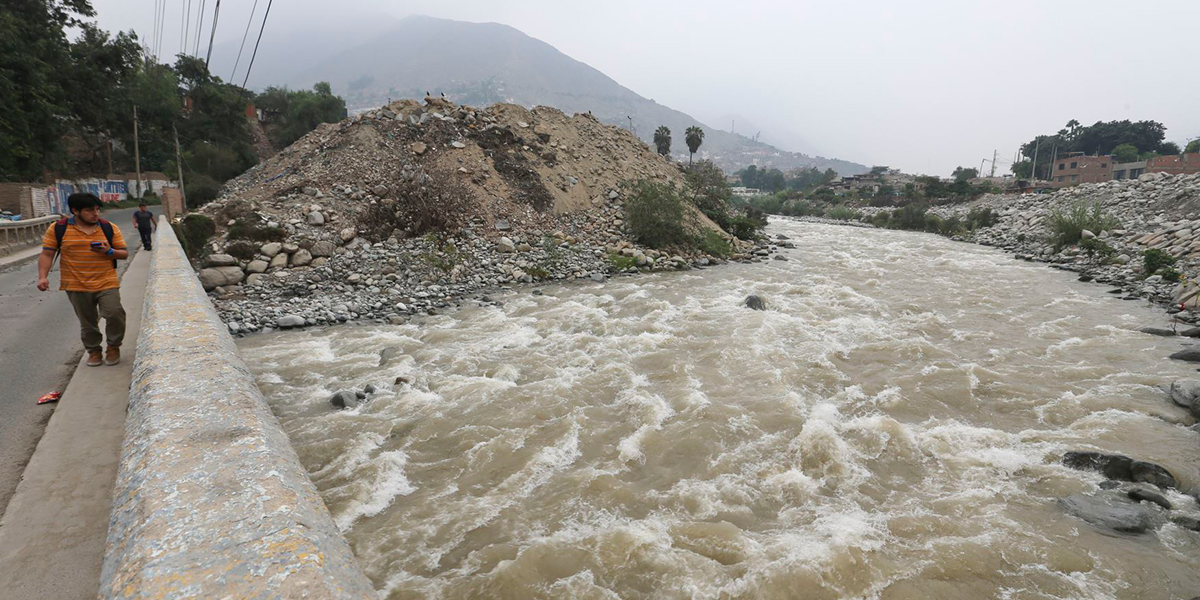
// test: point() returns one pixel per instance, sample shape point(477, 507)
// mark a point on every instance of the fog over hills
point(482, 63)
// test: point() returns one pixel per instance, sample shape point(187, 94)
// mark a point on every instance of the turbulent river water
point(890, 428)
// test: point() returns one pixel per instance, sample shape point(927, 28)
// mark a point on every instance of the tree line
point(67, 105)
point(1126, 141)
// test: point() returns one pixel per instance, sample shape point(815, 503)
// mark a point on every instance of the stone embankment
point(543, 201)
point(1154, 211)
point(211, 501)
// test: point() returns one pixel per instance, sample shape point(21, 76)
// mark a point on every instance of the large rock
point(219, 260)
point(316, 218)
point(1157, 331)
point(1119, 467)
point(269, 250)
point(1115, 511)
point(389, 354)
point(289, 321)
point(214, 277)
point(1186, 393)
point(323, 248)
point(1187, 354)
point(301, 258)
point(344, 399)
point(278, 261)
point(755, 302)
point(348, 234)
point(506, 245)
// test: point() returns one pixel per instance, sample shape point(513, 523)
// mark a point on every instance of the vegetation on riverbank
point(660, 216)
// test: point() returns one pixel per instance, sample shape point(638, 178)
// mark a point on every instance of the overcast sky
point(923, 86)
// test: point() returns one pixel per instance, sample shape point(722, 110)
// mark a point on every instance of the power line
point(213, 34)
point(199, 29)
point(187, 27)
point(244, 35)
point(255, 53)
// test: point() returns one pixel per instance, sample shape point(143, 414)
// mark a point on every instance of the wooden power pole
point(179, 166)
point(137, 156)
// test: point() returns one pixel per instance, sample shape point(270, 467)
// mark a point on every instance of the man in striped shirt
point(89, 274)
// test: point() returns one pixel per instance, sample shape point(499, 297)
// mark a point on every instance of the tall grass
point(1066, 226)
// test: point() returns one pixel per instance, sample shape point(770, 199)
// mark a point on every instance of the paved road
point(39, 349)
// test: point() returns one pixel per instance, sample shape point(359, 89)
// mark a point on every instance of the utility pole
point(1036, 147)
point(994, 156)
point(179, 166)
point(137, 156)
point(109, 145)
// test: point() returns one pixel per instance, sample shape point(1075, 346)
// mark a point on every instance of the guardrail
point(18, 235)
point(211, 500)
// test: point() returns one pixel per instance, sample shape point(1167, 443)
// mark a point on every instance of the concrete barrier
point(18, 235)
point(211, 500)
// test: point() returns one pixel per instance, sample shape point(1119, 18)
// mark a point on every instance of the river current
point(891, 427)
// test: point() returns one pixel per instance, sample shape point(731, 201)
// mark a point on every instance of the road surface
point(39, 349)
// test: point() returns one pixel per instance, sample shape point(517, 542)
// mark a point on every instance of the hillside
point(485, 63)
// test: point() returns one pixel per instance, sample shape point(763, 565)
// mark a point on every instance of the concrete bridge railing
point(19, 235)
point(211, 500)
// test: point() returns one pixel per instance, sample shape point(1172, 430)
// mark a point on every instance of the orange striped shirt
point(83, 270)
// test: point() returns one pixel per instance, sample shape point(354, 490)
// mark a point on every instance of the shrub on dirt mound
point(441, 203)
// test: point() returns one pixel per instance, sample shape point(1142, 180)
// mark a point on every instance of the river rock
point(754, 302)
point(271, 249)
point(1120, 467)
point(344, 399)
point(506, 246)
point(289, 321)
point(301, 257)
point(1186, 393)
point(1115, 511)
point(1187, 354)
point(348, 234)
point(215, 277)
point(387, 355)
point(1194, 332)
point(219, 260)
point(257, 266)
point(278, 261)
point(316, 218)
point(1140, 494)
point(323, 248)
point(1157, 331)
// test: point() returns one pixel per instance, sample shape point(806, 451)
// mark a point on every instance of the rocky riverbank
point(304, 239)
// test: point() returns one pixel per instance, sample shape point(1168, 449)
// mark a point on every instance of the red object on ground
point(51, 397)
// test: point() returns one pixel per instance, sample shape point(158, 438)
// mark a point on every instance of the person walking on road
point(143, 221)
point(90, 248)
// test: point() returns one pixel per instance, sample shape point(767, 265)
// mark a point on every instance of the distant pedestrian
point(143, 221)
point(90, 247)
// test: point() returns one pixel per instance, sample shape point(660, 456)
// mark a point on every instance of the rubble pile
point(1156, 210)
point(544, 203)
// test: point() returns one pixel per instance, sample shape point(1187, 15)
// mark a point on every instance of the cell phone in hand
point(97, 244)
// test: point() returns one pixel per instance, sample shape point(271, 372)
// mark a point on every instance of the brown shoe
point(114, 355)
point(94, 358)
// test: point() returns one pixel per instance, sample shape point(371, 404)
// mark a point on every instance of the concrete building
point(1129, 170)
point(1075, 168)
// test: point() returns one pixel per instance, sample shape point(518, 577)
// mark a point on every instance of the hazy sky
point(923, 86)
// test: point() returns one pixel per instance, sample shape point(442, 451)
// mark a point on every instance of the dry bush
point(442, 203)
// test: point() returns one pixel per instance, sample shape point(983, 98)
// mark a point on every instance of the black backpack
point(60, 229)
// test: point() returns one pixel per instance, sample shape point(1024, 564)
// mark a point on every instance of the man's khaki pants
point(90, 307)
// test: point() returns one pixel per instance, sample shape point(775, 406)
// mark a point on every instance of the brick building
point(1175, 164)
point(1075, 168)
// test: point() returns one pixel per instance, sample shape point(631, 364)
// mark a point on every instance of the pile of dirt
point(522, 166)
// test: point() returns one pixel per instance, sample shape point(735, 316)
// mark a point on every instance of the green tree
point(1125, 153)
point(1022, 169)
point(299, 111)
point(1168, 148)
point(1193, 146)
point(662, 140)
point(879, 170)
point(33, 59)
point(965, 173)
point(694, 136)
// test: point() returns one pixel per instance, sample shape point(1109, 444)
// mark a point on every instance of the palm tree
point(662, 140)
point(694, 136)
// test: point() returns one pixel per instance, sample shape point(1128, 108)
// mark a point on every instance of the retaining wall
point(211, 500)
point(23, 234)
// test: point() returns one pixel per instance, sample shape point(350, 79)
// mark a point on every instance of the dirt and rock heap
point(538, 196)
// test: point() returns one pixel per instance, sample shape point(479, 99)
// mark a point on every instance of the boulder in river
point(387, 355)
point(1123, 468)
point(1115, 511)
point(1158, 331)
point(1187, 354)
point(344, 399)
point(1142, 494)
point(755, 302)
point(1186, 393)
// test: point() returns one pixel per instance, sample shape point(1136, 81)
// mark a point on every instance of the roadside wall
point(211, 500)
